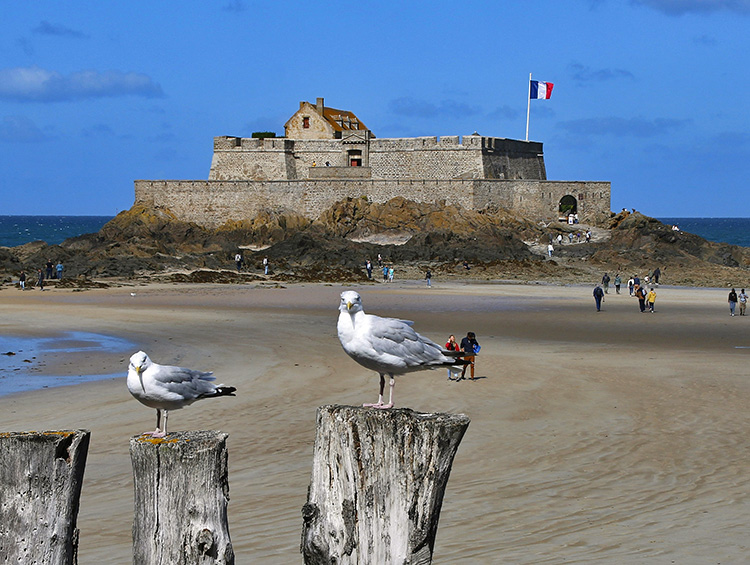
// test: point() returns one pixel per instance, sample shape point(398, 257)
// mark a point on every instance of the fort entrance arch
point(568, 205)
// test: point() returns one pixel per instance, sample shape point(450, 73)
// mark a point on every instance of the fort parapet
point(306, 176)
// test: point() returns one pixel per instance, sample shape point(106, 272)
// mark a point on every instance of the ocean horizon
point(19, 230)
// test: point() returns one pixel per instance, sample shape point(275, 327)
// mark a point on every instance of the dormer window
point(306, 122)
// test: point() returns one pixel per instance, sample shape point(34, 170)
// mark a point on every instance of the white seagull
point(165, 387)
point(387, 345)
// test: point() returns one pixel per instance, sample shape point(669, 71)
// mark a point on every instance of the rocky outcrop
point(498, 244)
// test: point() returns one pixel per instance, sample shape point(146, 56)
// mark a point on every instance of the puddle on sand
point(16, 370)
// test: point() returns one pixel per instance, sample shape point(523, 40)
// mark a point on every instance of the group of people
point(239, 261)
point(646, 297)
point(560, 239)
point(734, 298)
point(470, 347)
point(50, 271)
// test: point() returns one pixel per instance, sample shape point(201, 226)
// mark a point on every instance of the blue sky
point(648, 93)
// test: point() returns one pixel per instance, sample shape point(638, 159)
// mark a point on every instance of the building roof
point(342, 120)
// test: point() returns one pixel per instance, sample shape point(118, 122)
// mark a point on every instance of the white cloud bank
point(34, 84)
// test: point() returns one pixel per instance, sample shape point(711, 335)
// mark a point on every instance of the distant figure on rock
point(265, 265)
point(59, 268)
point(550, 249)
point(238, 261)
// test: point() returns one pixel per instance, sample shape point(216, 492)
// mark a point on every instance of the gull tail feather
point(223, 390)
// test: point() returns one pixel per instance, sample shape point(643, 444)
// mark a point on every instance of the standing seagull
point(165, 387)
point(386, 345)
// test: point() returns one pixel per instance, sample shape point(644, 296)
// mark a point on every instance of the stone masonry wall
point(448, 157)
point(212, 203)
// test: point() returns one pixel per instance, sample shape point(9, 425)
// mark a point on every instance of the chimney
point(319, 106)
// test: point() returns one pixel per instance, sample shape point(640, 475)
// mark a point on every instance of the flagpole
point(528, 107)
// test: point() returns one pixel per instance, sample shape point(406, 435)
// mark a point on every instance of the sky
point(647, 93)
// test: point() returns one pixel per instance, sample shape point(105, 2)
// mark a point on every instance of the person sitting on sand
point(451, 345)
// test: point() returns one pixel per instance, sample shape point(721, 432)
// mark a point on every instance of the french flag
point(541, 89)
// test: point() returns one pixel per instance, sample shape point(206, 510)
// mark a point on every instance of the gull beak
point(348, 305)
point(138, 370)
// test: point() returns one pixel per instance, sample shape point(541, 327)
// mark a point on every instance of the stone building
point(329, 154)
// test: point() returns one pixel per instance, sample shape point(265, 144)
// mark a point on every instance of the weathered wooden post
point(377, 485)
point(40, 486)
point(181, 494)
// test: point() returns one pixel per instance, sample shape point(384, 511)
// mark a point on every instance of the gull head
point(350, 302)
point(139, 362)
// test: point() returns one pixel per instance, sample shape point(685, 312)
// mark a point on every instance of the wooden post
point(181, 494)
point(377, 485)
point(40, 486)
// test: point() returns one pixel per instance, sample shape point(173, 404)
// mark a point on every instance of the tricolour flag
point(540, 89)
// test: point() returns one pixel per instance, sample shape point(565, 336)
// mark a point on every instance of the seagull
point(387, 345)
point(165, 387)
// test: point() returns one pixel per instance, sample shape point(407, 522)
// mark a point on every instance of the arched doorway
point(568, 205)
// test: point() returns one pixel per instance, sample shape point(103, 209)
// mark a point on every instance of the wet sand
point(610, 437)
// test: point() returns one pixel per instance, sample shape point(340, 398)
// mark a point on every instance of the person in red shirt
point(451, 345)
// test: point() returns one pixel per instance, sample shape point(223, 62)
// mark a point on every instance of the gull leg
point(392, 385)
point(157, 432)
point(379, 403)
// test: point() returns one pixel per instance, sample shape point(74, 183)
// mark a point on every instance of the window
point(306, 122)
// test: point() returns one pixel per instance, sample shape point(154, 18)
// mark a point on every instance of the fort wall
point(212, 203)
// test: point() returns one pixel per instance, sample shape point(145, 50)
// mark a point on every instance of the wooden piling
point(377, 485)
point(41, 474)
point(181, 493)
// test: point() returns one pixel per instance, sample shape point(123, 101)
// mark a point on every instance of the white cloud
point(20, 129)
point(34, 84)
point(679, 7)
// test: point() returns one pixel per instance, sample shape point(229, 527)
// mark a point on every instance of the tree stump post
point(377, 485)
point(40, 487)
point(181, 493)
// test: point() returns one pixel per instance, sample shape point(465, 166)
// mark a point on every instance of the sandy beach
point(611, 437)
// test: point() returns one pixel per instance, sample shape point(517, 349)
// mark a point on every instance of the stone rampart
point(212, 203)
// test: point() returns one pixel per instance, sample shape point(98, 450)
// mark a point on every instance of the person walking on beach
point(631, 284)
point(428, 277)
point(451, 345)
point(618, 283)
point(368, 267)
point(732, 301)
point(385, 273)
point(265, 265)
point(598, 297)
point(40, 281)
point(59, 268)
point(22, 280)
point(605, 283)
point(390, 273)
point(238, 261)
point(743, 302)
point(470, 347)
point(641, 296)
point(651, 299)
point(657, 276)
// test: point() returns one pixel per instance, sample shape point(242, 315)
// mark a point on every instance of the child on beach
point(651, 298)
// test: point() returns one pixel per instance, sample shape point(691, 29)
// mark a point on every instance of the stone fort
point(328, 155)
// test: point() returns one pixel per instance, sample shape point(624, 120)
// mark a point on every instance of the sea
point(17, 230)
